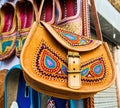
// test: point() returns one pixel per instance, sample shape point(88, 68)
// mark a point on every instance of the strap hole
point(74, 76)
point(73, 68)
point(73, 61)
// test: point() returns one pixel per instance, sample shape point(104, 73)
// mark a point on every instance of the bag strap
point(96, 20)
point(38, 11)
point(85, 19)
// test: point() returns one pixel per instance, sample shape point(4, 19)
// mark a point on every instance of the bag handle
point(96, 21)
point(38, 11)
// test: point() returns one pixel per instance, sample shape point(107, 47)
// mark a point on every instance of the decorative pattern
point(20, 42)
point(50, 103)
point(6, 44)
point(72, 38)
point(75, 26)
point(48, 64)
point(93, 71)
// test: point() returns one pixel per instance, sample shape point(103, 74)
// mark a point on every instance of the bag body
point(44, 61)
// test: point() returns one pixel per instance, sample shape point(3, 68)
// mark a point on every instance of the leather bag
point(62, 64)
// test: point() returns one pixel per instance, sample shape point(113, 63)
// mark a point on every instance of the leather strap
point(74, 76)
point(96, 20)
point(38, 12)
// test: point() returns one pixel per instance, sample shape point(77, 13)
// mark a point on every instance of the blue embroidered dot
point(98, 69)
point(82, 42)
point(49, 62)
point(69, 36)
point(85, 72)
point(64, 69)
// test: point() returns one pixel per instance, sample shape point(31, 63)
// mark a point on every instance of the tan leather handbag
point(62, 64)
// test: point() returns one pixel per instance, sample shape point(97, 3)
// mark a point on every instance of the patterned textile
point(51, 103)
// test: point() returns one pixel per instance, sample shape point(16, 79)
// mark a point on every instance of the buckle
point(73, 62)
point(74, 76)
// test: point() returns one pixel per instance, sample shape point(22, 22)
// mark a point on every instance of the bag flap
point(70, 40)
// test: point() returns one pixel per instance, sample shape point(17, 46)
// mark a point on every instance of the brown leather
point(89, 102)
point(2, 78)
point(96, 20)
point(48, 46)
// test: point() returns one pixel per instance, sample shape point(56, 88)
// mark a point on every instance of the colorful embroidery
point(85, 72)
point(7, 44)
point(93, 71)
point(49, 64)
point(50, 103)
point(48, 61)
point(17, 43)
point(72, 38)
point(82, 42)
point(23, 40)
point(20, 42)
point(97, 69)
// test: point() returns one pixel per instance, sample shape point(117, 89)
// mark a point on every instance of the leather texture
point(96, 21)
point(44, 60)
point(2, 78)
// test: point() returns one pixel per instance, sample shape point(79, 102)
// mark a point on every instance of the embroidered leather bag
point(62, 64)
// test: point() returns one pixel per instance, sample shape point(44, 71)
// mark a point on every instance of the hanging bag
point(63, 64)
